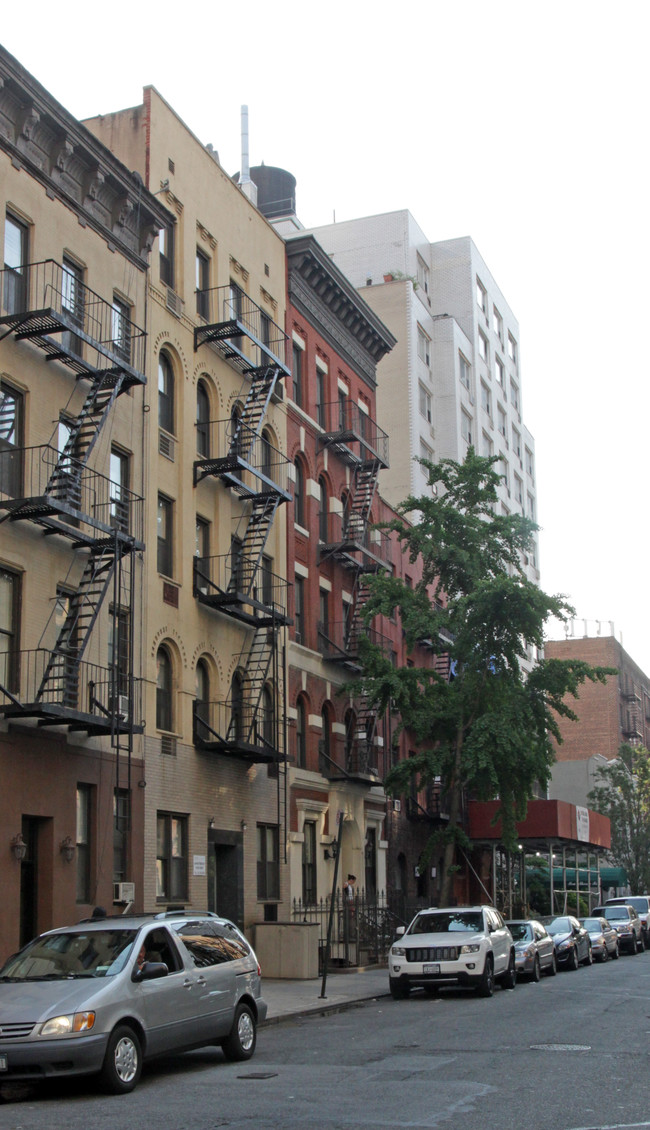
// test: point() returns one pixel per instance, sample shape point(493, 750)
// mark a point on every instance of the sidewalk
point(344, 989)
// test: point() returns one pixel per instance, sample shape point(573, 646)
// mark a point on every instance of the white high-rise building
point(454, 377)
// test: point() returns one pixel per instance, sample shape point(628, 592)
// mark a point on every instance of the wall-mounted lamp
point(331, 850)
point(67, 849)
point(18, 847)
point(243, 825)
point(211, 822)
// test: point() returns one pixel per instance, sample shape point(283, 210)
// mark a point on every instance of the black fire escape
point(56, 488)
point(362, 445)
point(241, 583)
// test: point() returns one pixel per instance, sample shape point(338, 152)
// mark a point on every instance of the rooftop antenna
point(248, 187)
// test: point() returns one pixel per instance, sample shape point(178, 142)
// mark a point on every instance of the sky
point(523, 125)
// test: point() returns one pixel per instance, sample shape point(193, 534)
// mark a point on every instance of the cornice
point(338, 336)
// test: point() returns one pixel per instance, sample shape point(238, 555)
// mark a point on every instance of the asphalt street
point(570, 1053)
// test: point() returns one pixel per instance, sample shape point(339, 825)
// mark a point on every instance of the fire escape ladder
point(362, 738)
point(362, 496)
point(249, 552)
point(249, 425)
point(60, 678)
point(256, 668)
point(65, 480)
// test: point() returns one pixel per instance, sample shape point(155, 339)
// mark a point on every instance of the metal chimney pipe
point(244, 176)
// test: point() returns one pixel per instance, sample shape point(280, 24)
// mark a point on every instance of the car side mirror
point(400, 931)
point(150, 971)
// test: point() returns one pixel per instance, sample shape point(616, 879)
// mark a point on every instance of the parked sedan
point(534, 949)
point(604, 939)
point(627, 924)
point(571, 940)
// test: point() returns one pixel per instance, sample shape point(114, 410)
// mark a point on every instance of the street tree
point(485, 725)
point(623, 794)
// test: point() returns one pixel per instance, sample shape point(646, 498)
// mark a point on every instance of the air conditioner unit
point(123, 705)
point(123, 892)
point(397, 806)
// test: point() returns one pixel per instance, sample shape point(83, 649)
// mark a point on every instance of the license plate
point(3, 1063)
point(431, 969)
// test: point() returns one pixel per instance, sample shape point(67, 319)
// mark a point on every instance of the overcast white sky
point(524, 125)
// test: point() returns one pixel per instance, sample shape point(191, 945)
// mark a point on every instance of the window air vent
point(174, 302)
point(166, 445)
point(168, 745)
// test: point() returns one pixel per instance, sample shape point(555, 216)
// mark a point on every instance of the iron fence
point(362, 929)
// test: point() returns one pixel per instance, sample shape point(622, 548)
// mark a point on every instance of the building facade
point(77, 232)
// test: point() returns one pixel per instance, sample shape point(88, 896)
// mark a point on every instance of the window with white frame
point(530, 467)
point(514, 395)
point(464, 368)
point(424, 347)
point(486, 399)
point(519, 489)
point(531, 505)
point(500, 372)
point(488, 446)
point(483, 347)
point(497, 323)
point(481, 296)
point(425, 403)
point(516, 442)
point(501, 420)
point(425, 453)
point(512, 348)
point(466, 424)
point(504, 470)
point(423, 275)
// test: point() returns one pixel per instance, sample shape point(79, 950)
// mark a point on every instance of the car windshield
point(593, 925)
point(640, 905)
point(559, 926)
point(54, 957)
point(616, 913)
point(521, 931)
point(448, 922)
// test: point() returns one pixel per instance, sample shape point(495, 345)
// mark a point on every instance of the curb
point(324, 1010)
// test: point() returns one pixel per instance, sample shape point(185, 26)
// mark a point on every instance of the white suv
point(457, 945)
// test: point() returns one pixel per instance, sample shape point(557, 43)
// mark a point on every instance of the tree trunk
point(455, 795)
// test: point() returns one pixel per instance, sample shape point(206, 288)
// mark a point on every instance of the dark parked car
point(534, 949)
point(641, 904)
point(604, 939)
point(627, 924)
point(571, 940)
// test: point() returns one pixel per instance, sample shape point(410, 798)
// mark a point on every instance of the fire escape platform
point(249, 752)
point(44, 509)
point(244, 608)
point(57, 714)
point(37, 325)
point(230, 338)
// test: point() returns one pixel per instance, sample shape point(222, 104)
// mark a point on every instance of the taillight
point(259, 969)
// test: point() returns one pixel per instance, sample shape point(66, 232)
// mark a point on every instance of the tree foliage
point(624, 796)
point(486, 729)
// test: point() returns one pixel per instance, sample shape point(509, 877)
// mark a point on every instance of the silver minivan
point(106, 994)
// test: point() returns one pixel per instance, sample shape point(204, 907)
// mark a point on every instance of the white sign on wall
point(582, 823)
point(199, 865)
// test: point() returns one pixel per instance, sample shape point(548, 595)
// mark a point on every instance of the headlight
point(530, 951)
point(63, 1025)
point(565, 945)
point(398, 951)
point(469, 949)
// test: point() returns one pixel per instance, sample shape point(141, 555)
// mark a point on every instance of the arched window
point(236, 731)
point(325, 745)
point(165, 393)
point(299, 508)
point(164, 711)
point(350, 738)
point(202, 420)
point(322, 510)
point(267, 455)
point(301, 733)
point(202, 699)
point(265, 722)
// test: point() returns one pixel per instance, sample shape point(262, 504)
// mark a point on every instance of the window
point(267, 457)
point(212, 943)
point(202, 420)
point(236, 301)
point(299, 609)
point(514, 395)
point(9, 629)
point(516, 442)
point(84, 799)
point(529, 463)
point(301, 734)
point(501, 420)
point(481, 296)
point(11, 440)
point(466, 427)
point(121, 328)
point(482, 346)
point(324, 610)
point(171, 857)
point(202, 285)
point(531, 506)
point(299, 508)
point(424, 346)
point(497, 323)
point(519, 490)
point(309, 863)
point(425, 403)
point(322, 510)
point(268, 867)
point(464, 367)
point(512, 348)
point(166, 249)
point(423, 274)
point(425, 453)
point(488, 446)
point(504, 470)
point(236, 729)
point(121, 821)
point(297, 375)
point(486, 399)
point(14, 298)
point(202, 538)
point(165, 394)
point(165, 536)
point(325, 744)
point(119, 653)
point(500, 371)
point(119, 468)
point(265, 329)
point(164, 712)
point(201, 698)
point(72, 302)
point(320, 396)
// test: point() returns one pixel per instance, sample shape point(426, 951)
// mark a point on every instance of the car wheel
point(639, 944)
point(573, 960)
point(605, 953)
point(616, 954)
point(122, 1062)
point(552, 969)
point(537, 972)
point(240, 1043)
point(485, 986)
point(631, 949)
point(508, 980)
point(589, 960)
point(398, 990)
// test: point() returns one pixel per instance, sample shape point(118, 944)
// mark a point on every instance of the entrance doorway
point(29, 881)
point(225, 874)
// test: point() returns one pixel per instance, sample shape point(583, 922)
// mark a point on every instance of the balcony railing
point(240, 329)
point(81, 694)
point(78, 495)
point(43, 299)
point(339, 641)
point(238, 731)
point(357, 436)
point(345, 533)
point(232, 579)
point(240, 456)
